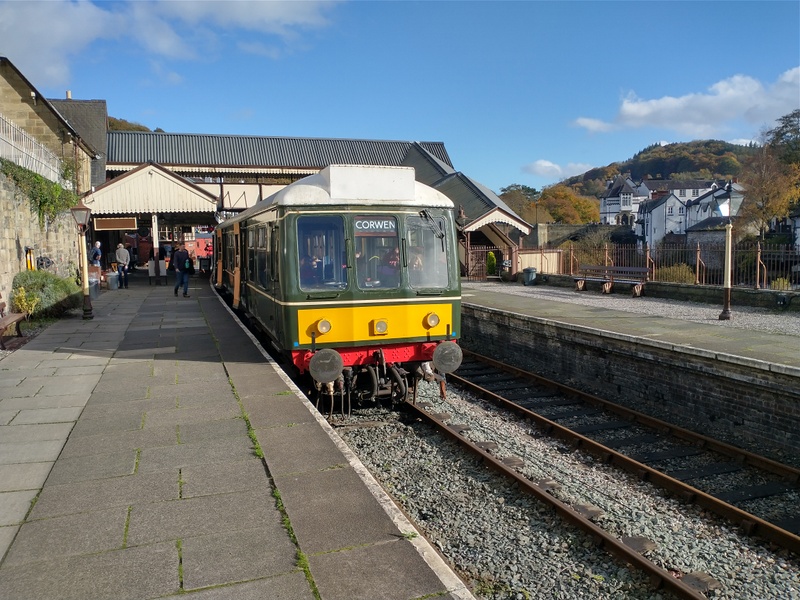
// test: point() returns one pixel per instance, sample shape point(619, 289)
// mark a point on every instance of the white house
point(619, 204)
point(660, 216)
point(721, 201)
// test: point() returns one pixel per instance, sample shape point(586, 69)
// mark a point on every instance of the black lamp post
point(81, 214)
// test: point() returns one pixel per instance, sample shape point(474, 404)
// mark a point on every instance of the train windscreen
point(322, 261)
point(427, 251)
point(377, 252)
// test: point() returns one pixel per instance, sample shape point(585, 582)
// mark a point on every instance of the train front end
point(375, 287)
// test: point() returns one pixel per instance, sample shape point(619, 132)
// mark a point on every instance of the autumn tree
point(785, 138)
point(566, 206)
point(522, 199)
point(770, 186)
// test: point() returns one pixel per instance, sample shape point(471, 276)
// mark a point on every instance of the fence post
point(605, 260)
point(697, 265)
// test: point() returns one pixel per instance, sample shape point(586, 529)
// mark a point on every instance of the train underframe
point(389, 373)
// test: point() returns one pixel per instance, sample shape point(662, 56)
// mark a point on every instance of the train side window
point(377, 252)
point(427, 251)
point(261, 255)
point(251, 255)
point(320, 248)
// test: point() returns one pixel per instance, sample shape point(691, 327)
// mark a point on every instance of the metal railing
point(756, 265)
point(22, 149)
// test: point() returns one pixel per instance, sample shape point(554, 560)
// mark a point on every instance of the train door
point(237, 266)
point(218, 252)
point(274, 261)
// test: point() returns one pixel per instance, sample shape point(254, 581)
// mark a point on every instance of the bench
point(609, 275)
point(7, 320)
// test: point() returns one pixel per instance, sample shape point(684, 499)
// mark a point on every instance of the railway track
point(755, 493)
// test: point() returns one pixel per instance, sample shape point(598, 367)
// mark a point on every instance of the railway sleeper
point(753, 492)
point(705, 471)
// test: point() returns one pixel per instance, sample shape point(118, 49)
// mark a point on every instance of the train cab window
point(377, 252)
point(320, 253)
point(427, 251)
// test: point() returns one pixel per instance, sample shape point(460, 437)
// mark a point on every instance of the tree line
point(769, 171)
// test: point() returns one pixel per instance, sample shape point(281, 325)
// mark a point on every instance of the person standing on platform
point(96, 254)
point(123, 260)
point(182, 262)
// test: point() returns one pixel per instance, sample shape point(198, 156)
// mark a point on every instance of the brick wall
point(19, 228)
point(736, 401)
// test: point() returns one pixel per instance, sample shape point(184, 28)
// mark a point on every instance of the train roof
point(355, 185)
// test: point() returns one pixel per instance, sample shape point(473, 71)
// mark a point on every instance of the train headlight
point(431, 320)
point(380, 327)
point(323, 326)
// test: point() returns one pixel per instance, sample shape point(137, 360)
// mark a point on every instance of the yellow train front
point(353, 273)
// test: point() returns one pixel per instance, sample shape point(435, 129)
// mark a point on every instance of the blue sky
point(519, 92)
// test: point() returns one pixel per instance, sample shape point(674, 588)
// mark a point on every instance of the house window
point(669, 210)
point(682, 192)
point(680, 210)
point(695, 193)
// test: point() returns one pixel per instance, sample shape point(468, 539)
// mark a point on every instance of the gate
point(476, 262)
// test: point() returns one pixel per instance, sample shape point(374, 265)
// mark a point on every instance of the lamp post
point(725, 315)
point(81, 214)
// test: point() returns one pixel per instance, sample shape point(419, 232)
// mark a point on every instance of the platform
point(127, 469)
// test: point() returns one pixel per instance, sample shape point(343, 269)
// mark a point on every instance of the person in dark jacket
point(183, 264)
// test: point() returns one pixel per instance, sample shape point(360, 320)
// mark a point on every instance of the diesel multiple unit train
point(353, 274)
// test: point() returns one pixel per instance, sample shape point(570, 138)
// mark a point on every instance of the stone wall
point(19, 228)
point(742, 402)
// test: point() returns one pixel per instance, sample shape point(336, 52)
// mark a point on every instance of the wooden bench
point(609, 275)
point(7, 320)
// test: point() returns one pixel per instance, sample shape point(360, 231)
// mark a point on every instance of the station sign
point(375, 225)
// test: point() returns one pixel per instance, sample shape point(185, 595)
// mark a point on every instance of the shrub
point(491, 264)
point(54, 295)
point(781, 283)
point(681, 273)
point(24, 302)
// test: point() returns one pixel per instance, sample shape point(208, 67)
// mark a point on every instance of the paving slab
point(14, 506)
point(100, 494)
point(146, 480)
point(70, 535)
point(237, 556)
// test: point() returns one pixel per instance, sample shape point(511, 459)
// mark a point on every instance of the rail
point(22, 149)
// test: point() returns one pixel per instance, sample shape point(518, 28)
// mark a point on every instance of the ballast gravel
point(509, 546)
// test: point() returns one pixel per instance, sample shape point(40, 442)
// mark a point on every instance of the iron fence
point(753, 264)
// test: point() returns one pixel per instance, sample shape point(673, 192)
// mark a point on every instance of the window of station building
point(427, 251)
point(377, 252)
point(321, 255)
point(261, 256)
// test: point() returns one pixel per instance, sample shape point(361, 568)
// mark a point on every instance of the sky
point(524, 92)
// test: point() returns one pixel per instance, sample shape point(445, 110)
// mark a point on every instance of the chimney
point(69, 94)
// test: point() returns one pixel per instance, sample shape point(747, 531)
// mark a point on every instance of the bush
point(54, 295)
point(491, 264)
point(681, 273)
point(781, 283)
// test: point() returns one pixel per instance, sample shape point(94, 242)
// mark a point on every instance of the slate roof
point(90, 119)
point(709, 224)
point(175, 149)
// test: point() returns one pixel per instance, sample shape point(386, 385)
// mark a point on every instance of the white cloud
point(593, 125)
point(165, 29)
point(721, 108)
point(553, 171)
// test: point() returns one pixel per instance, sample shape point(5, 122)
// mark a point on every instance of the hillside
point(698, 159)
